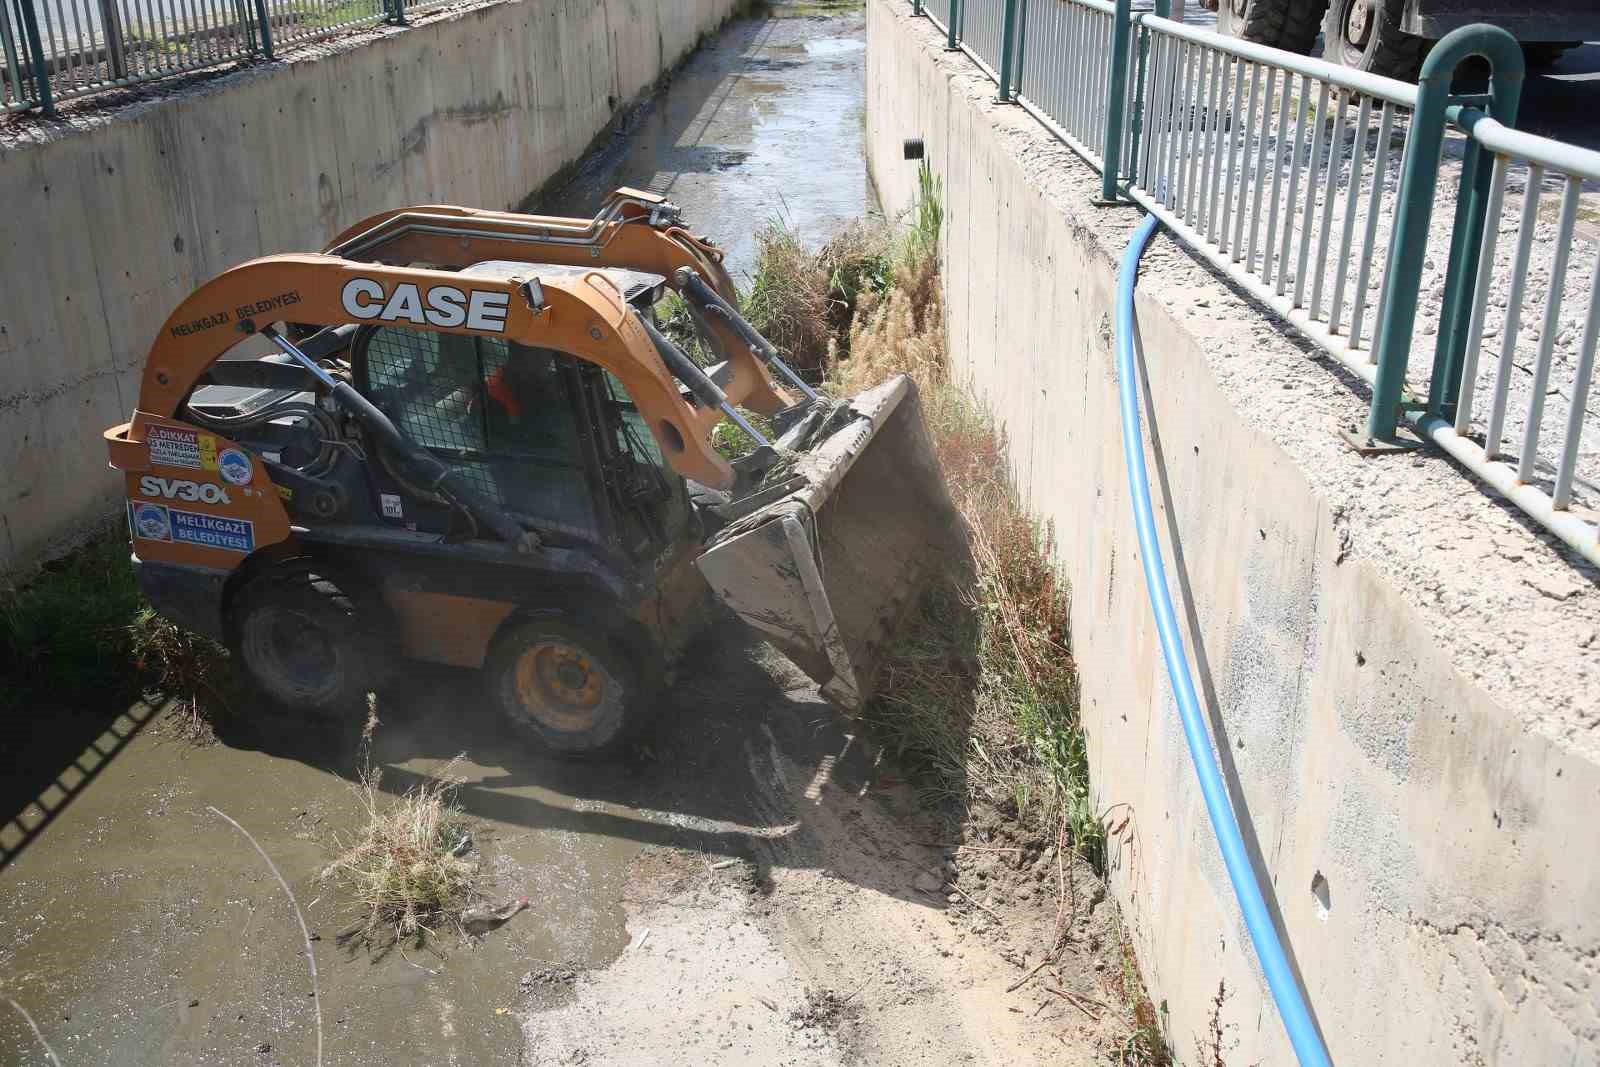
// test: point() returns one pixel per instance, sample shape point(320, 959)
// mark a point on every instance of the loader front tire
point(566, 686)
point(301, 643)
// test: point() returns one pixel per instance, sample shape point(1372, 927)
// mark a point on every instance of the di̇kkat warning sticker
point(174, 446)
point(157, 522)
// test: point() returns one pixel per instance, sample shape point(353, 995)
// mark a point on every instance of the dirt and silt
point(754, 885)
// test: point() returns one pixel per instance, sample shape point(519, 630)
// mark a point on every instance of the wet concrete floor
point(138, 927)
point(767, 124)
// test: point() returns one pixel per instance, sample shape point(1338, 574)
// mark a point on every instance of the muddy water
point(765, 125)
point(138, 927)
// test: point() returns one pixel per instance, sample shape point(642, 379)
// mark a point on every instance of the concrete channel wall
point(113, 217)
point(1403, 676)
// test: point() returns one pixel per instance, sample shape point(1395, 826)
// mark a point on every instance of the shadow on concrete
point(51, 760)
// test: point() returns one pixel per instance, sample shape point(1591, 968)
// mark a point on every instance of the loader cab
point(553, 440)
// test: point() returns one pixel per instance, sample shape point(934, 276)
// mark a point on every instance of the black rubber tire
point(1384, 48)
point(1546, 53)
point(301, 642)
point(539, 673)
point(1288, 24)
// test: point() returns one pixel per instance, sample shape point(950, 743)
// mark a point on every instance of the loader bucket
point(827, 572)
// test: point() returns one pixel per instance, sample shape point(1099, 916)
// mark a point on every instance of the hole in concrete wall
point(1319, 889)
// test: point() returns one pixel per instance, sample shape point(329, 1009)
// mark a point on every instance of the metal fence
point(1317, 189)
point(55, 50)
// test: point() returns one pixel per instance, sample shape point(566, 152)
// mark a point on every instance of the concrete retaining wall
point(112, 218)
point(1401, 673)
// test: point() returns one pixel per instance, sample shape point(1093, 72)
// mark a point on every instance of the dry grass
point(401, 868)
point(787, 301)
point(981, 694)
point(805, 302)
point(191, 671)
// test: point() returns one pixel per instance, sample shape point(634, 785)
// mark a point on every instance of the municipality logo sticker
point(235, 466)
point(151, 522)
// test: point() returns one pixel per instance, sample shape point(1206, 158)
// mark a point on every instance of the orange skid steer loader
point(459, 436)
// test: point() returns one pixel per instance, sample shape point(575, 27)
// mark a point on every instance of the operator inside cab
point(526, 404)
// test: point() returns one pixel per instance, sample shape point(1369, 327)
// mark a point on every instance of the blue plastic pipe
point(1286, 992)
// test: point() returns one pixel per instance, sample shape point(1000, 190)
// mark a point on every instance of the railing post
point(953, 30)
point(9, 46)
point(1397, 317)
point(1021, 48)
point(1008, 27)
point(1466, 245)
point(1162, 9)
point(265, 24)
point(111, 26)
point(41, 73)
point(1116, 99)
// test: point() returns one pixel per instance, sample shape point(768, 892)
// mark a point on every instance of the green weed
point(64, 634)
point(81, 632)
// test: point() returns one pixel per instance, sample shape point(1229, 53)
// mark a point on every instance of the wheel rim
point(1357, 21)
point(560, 685)
point(291, 650)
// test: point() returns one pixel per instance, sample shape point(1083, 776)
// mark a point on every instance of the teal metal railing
point(54, 50)
point(1317, 188)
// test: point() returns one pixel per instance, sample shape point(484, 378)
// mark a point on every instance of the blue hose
point(1286, 993)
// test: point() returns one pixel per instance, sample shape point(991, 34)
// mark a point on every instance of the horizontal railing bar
point(1397, 92)
point(1576, 532)
point(1530, 148)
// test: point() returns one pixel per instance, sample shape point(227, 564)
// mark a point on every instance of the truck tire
point(567, 686)
point(1366, 35)
point(301, 642)
point(1287, 24)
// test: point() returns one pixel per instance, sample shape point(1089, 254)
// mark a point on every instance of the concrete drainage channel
point(756, 886)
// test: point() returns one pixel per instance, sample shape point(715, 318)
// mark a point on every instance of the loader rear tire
point(566, 686)
point(301, 643)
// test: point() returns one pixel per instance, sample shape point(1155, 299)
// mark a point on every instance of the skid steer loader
point(459, 436)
